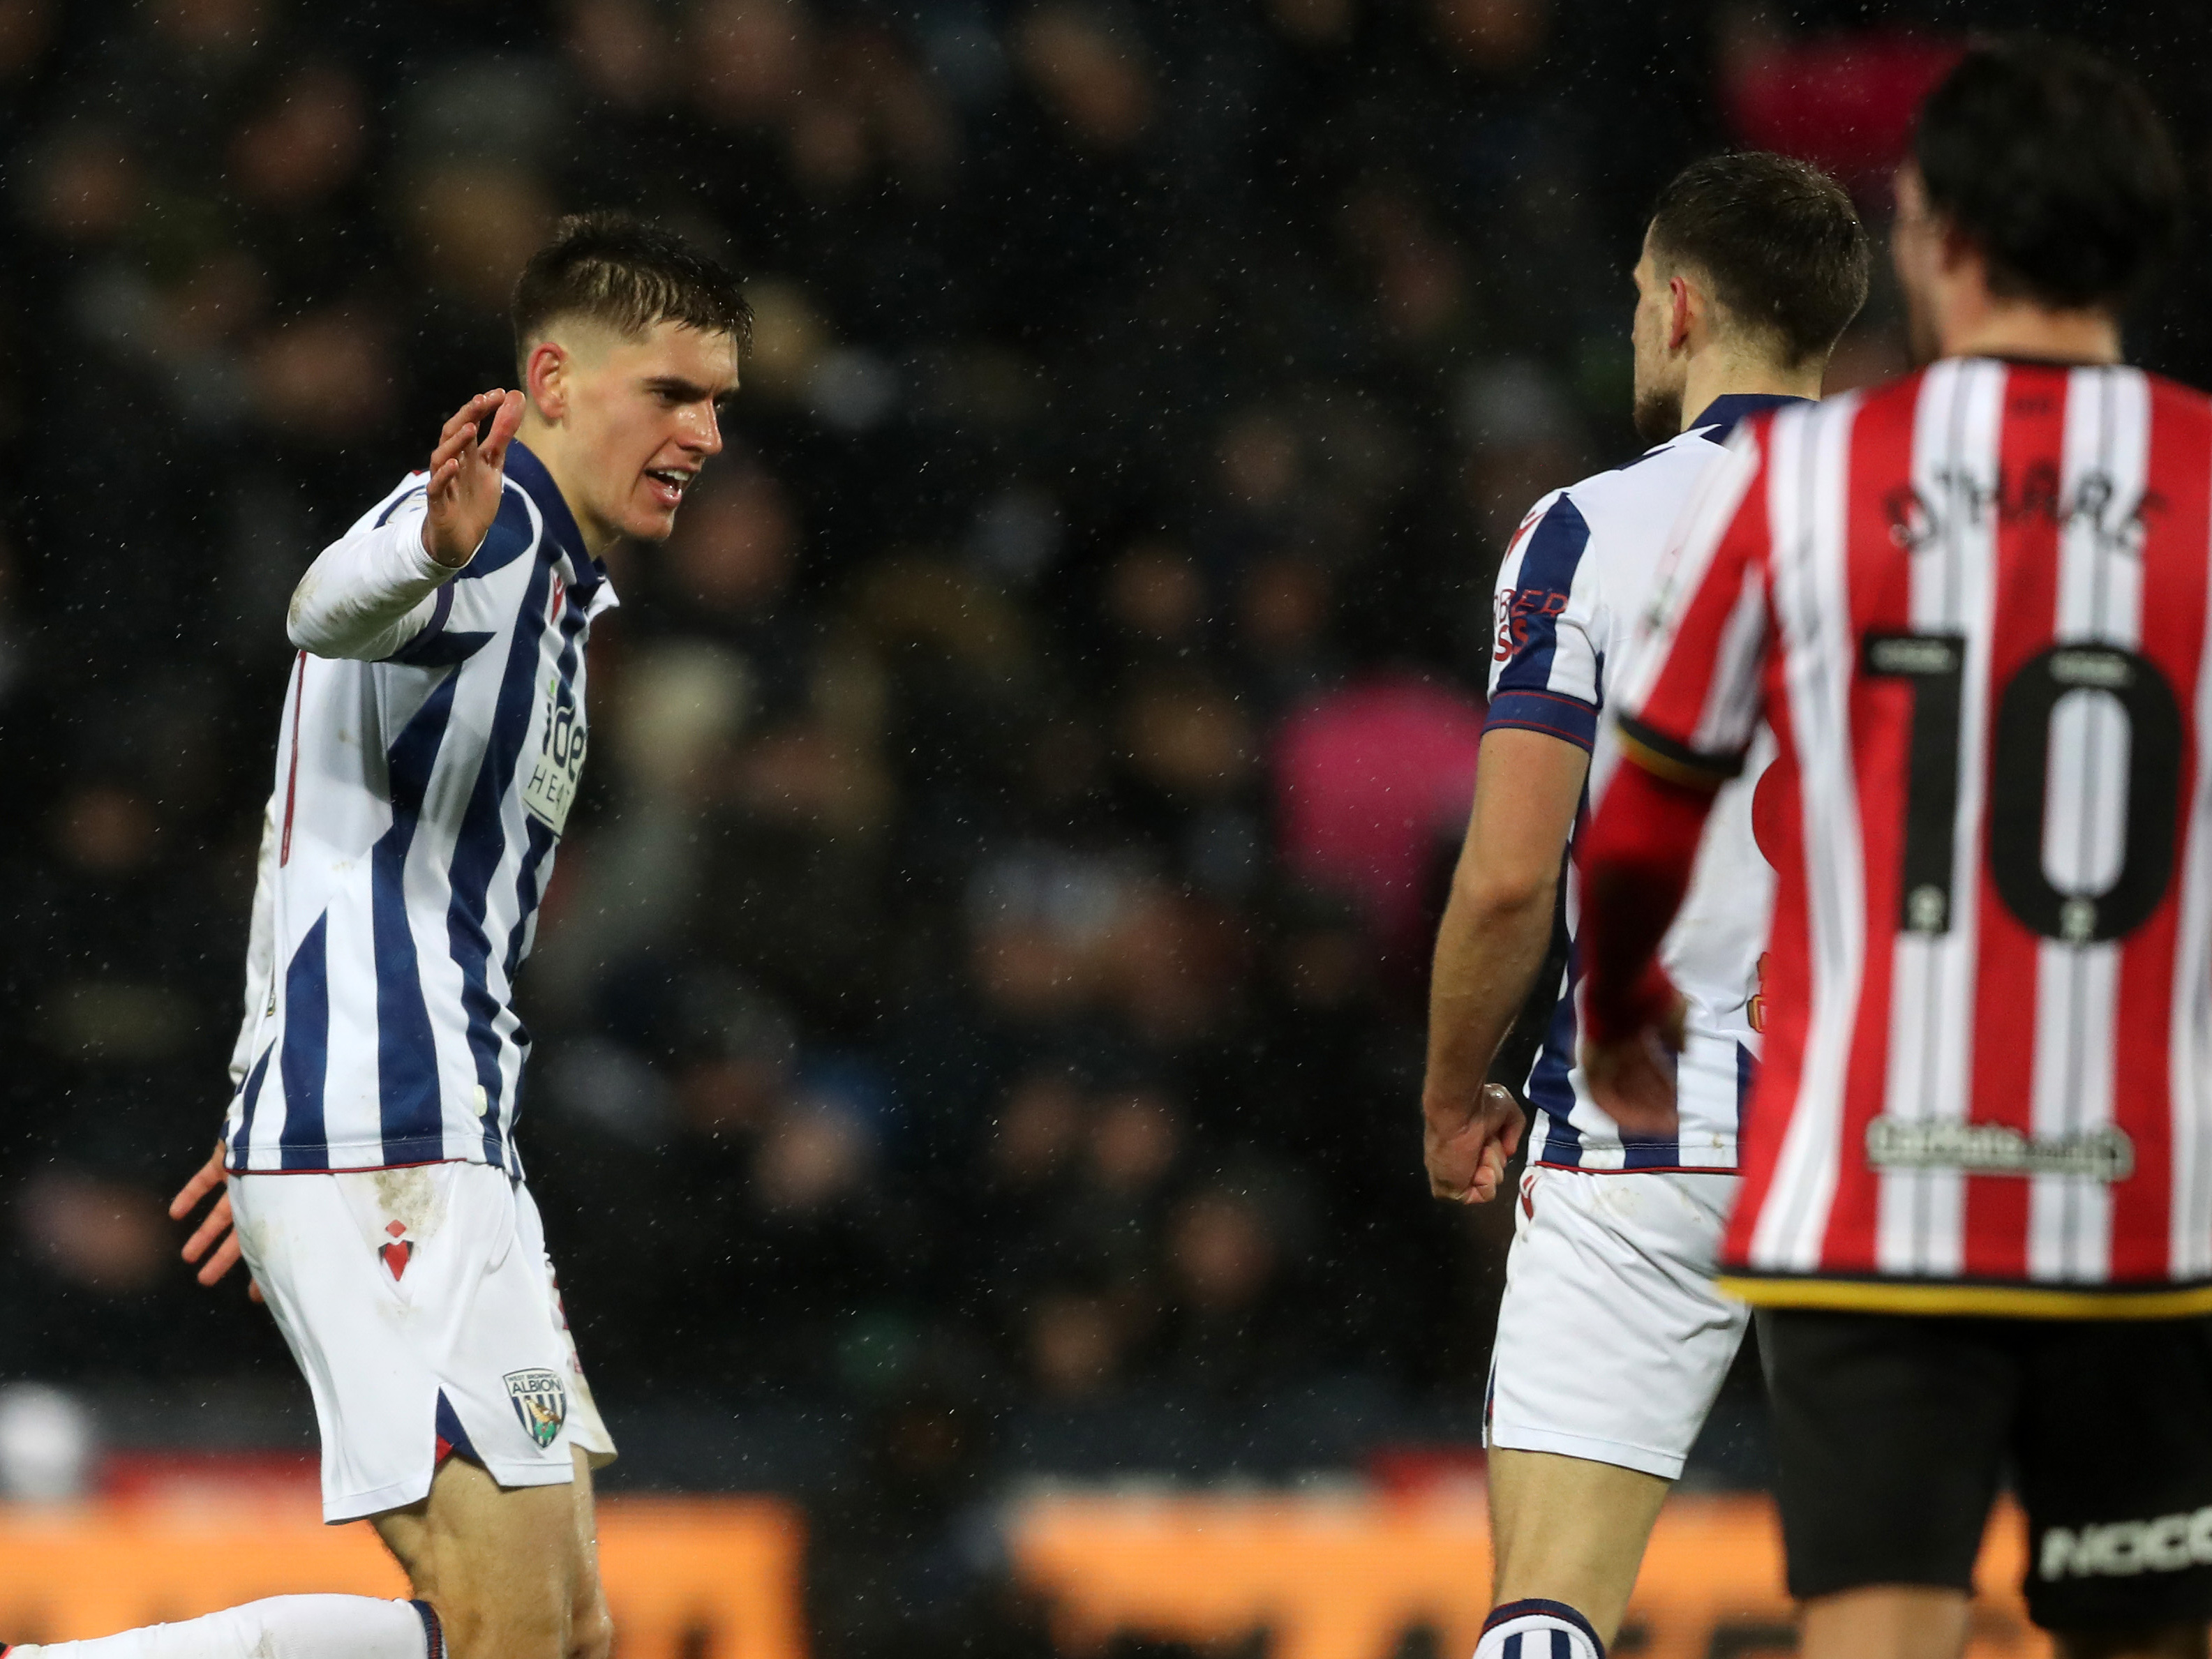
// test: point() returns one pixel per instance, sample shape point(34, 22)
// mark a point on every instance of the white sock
point(1538, 1629)
point(281, 1627)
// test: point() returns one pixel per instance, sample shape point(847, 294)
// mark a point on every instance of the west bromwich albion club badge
point(540, 1401)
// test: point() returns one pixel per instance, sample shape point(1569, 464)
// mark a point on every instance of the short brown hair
point(1779, 240)
point(2057, 167)
point(629, 275)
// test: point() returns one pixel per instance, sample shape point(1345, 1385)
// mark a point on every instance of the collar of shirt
point(1723, 412)
point(526, 470)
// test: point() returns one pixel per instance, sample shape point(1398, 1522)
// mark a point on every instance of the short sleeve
point(1547, 661)
point(1691, 694)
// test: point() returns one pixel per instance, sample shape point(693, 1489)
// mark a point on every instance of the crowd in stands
point(987, 966)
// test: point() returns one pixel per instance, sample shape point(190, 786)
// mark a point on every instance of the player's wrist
point(445, 558)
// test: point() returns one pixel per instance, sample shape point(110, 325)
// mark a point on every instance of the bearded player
point(431, 745)
point(1612, 1342)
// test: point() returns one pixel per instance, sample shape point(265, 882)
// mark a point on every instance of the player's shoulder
point(2173, 399)
point(1639, 499)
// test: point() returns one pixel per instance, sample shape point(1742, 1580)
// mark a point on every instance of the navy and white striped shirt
point(432, 743)
point(1572, 594)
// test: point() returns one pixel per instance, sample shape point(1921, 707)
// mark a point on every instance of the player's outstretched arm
point(467, 474)
point(217, 1230)
point(370, 594)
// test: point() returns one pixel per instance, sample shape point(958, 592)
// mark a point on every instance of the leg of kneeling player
point(1612, 1344)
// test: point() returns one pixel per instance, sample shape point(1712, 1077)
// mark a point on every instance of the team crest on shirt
point(540, 1400)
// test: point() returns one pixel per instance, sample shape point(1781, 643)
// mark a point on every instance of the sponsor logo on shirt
point(559, 767)
point(1520, 609)
point(1896, 1143)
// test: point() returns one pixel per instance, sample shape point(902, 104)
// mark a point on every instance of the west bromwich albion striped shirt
point(432, 742)
point(1572, 595)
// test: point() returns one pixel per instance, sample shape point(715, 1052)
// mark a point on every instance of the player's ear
point(1684, 310)
point(545, 376)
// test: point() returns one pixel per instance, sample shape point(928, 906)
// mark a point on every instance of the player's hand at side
point(1466, 1146)
point(1632, 1080)
point(216, 1230)
point(467, 475)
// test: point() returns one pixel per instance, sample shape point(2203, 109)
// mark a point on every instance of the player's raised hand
point(1466, 1148)
point(466, 476)
point(217, 1230)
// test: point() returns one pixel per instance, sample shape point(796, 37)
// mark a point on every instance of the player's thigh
point(2114, 1450)
point(1889, 1434)
point(502, 1566)
point(1611, 1340)
point(1569, 1529)
point(590, 1628)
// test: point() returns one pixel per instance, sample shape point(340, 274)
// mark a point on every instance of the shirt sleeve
point(1692, 693)
point(1546, 658)
point(375, 591)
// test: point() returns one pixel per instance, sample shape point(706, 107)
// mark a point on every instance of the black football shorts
point(1892, 1433)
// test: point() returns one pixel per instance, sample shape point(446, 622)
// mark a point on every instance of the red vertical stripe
point(2177, 520)
point(1787, 985)
point(2030, 449)
point(1879, 571)
point(1677, 699)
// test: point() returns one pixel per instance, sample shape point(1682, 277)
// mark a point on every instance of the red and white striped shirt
point(1972, 604)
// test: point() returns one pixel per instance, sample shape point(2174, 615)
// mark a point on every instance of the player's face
point(643, 415)
point(1660, 373)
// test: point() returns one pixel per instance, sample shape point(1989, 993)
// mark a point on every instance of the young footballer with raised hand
point(430, 748)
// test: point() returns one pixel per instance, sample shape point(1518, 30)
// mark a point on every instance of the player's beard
point(1657, 414)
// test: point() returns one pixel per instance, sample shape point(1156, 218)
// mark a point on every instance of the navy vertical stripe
point(307, 1049)
point(409, 1109)
point(1549, 1087)
point(252, 1094)
point(527, 894)
point(1548, 561)
point(1654, 1151)
point(482, 844)
point(1746, 1079)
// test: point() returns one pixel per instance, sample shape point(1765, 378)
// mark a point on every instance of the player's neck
point(1716, 375)
point(2000, 328)
point(544, 441)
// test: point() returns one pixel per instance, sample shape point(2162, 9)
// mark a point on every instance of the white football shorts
point(1611, 1340)
point(421, 1308)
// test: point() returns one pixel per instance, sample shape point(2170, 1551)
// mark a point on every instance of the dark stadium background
point(978, 1013)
